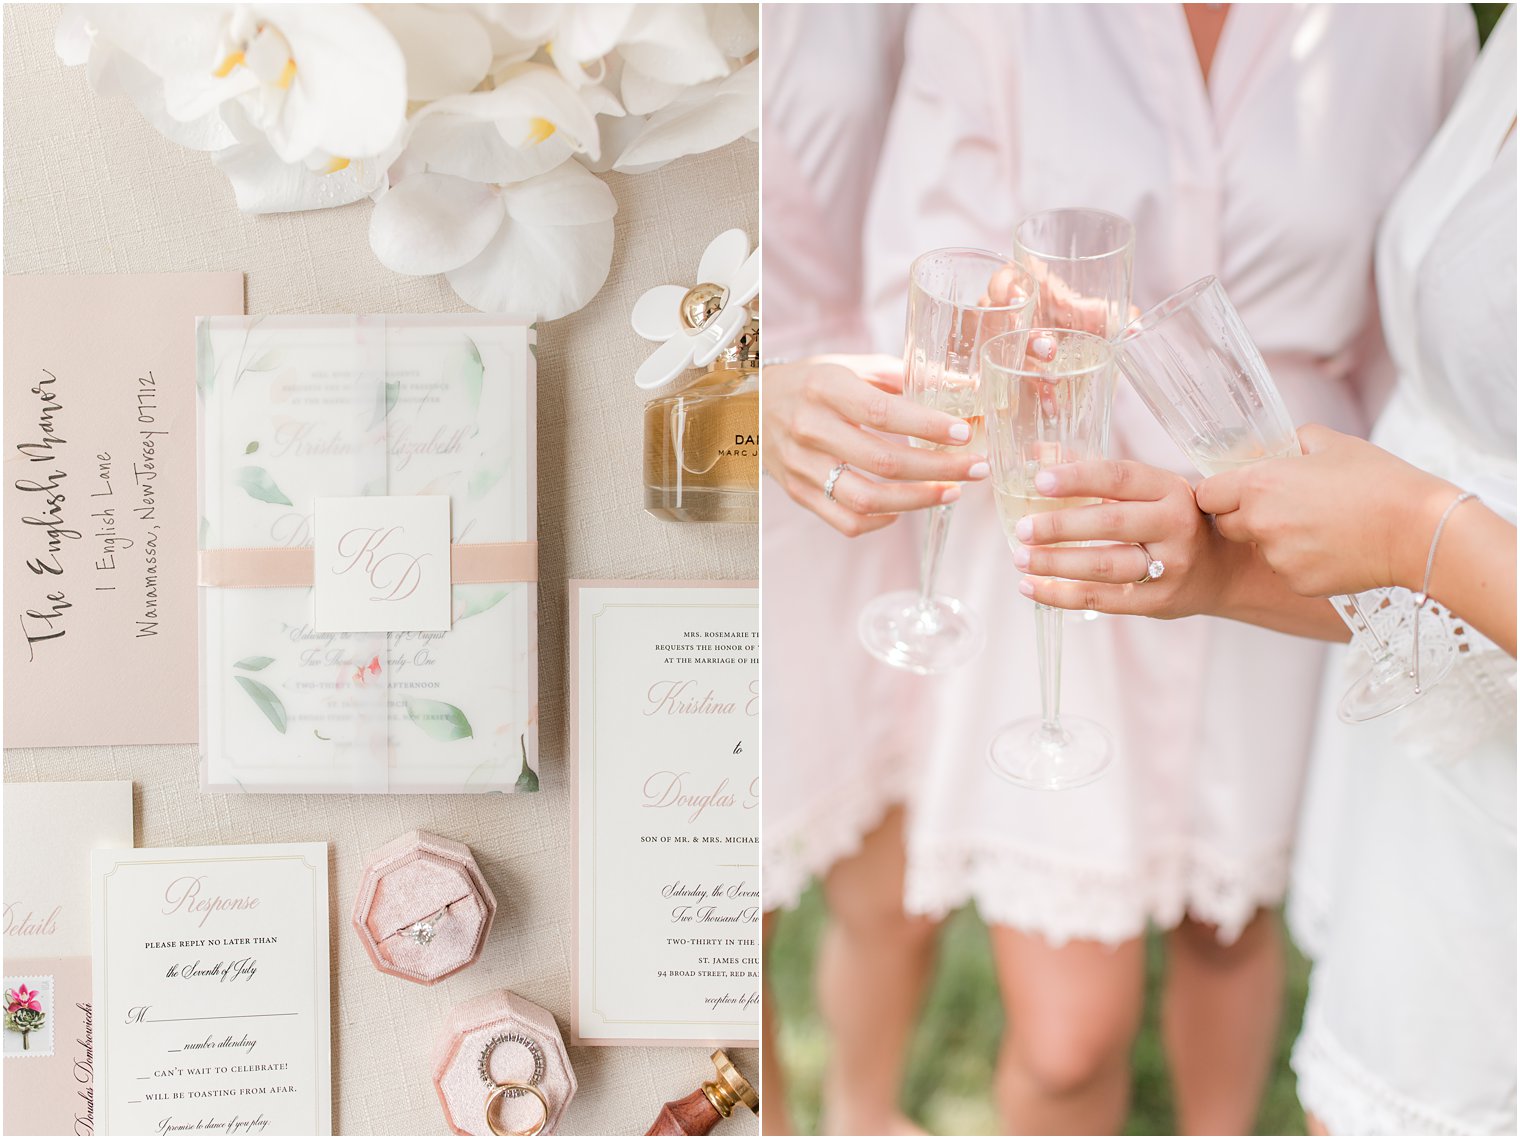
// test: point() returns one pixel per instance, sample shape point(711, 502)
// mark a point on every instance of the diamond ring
point(423, 932)
point(1154, 567)
point(828, 483)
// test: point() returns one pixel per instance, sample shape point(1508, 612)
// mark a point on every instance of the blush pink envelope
point(99, 501)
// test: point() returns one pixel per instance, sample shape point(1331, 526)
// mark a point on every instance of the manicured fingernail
point(1021, 558)
point(979, 471)
point(951, 493)
point(1024, 530)
point(1045, 482)
point(1044, 347)
point(960, 431)
point(1026, 587)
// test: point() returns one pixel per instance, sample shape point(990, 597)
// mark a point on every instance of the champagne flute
point(957, 300)
point(1048, 394)
point(1197, 369)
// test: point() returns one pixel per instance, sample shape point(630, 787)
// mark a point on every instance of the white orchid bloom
point(539, 248)
point(659, 314)
point(280, 92)
point(484, 194)
point(701, 118)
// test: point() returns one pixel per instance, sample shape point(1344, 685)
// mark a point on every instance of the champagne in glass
point(1198, 370)
point(958, 299)
point(1044, 409)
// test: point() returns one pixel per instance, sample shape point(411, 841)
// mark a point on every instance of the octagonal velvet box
point(424, 909)
point(496, 1038)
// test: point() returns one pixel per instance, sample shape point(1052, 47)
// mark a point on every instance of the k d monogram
point(375, 553)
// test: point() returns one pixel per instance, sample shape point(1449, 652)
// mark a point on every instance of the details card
point(664, 721)
point(50, 830)
point(99, 501)
point(211, 991)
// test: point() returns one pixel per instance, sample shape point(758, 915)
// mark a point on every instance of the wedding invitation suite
point(99, 505)
point(665, 772)
point(50, 830)
point(369, 558)
point(211, 991)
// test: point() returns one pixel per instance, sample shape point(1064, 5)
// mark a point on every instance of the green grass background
point(949, 1084)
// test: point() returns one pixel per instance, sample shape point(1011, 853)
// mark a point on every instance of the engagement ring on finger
point(828, 483)
point(1154, 567)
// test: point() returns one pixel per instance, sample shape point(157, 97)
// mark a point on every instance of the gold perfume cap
point(744, 350)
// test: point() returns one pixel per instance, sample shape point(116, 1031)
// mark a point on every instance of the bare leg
point(1315, 1126)
point(1219, 1018)
point(872, 971)
point(1072, 1016)
point(775, 1112)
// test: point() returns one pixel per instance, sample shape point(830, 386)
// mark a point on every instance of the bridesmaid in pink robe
point(1260, 143)
point(835, 770)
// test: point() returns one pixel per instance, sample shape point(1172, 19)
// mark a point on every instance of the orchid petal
point(670, 42)
point(265, 184)
point(723, 256)
point(587, 32)
point(643, 94)
point(448, 52)
point(431, 223)
point(735, 28)
point(704, 118)
point(71, 39)
point(112, 72)
point(519, 30)
point(167, 39)
point(566, 195)
point(541, 272)
point(657, 314)
point(348, 95)
point(527, 93)
point(470, 148)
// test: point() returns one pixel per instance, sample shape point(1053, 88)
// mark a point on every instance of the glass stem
point(1047, 639)
point(934, 550)
point(1355, 617)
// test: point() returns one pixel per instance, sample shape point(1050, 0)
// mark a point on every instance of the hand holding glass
point(1204, 380)
point(1047, 401)
point(958, 299)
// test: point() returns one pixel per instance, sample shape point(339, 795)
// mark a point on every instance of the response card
point(211, 991)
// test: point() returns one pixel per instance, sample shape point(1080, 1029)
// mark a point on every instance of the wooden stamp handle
point(691, 1115)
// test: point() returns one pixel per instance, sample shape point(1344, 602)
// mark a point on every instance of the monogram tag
point(382, 564)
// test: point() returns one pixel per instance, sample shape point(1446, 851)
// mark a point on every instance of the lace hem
point(1063, 901)
point(1349, 1100)
point(826, 833)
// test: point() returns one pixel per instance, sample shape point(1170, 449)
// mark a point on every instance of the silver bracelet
point(1423, 595)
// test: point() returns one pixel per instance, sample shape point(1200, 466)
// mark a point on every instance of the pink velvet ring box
point(494, 1039)
point(424, 909)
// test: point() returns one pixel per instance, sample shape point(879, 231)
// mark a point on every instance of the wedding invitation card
point(99, 505)
point(211, 991)
point(665, 775)
point(369, 554)
point(50, 830)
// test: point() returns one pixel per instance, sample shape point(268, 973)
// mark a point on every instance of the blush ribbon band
point(292, 567)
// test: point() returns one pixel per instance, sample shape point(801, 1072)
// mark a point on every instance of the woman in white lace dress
point(1404, 885)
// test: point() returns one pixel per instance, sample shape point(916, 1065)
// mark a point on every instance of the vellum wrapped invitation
point(368, 563)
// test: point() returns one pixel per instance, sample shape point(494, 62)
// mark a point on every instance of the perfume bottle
point(702, 441)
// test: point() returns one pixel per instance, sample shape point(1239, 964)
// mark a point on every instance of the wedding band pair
point(512, 1089)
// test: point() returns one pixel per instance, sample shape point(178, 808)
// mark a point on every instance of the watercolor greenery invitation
point(301, 417)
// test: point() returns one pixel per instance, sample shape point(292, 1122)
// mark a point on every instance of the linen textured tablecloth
point(91, 188)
